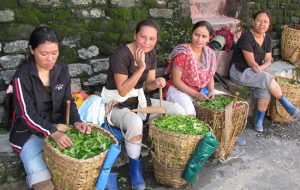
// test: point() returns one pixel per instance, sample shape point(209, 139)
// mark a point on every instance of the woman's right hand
point(256, 68)
point(140, 58)
point(61, 139)
point(201, 96)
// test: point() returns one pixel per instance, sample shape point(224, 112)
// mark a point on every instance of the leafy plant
point(215, 104)
point(85, 145)
point(182, 124)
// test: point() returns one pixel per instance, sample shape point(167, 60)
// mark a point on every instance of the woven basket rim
point(93, 126)
point(290, 28)
point(171, 133)
point(222, 109)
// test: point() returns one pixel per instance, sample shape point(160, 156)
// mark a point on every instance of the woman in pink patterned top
point(192, 68)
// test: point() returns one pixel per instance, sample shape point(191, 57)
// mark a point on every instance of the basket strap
point(227, 127)
point(222, 158)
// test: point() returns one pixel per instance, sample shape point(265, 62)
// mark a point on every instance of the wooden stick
point(160, 97)
point(160, 100)
point(68, 112)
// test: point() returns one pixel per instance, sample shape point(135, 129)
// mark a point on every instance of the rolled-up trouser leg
point(132, 125)
point(32, 158)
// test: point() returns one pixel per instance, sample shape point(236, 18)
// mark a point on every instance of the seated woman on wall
point(192, 68)
point(250, 61)
point(41, 87)
point(132, 66)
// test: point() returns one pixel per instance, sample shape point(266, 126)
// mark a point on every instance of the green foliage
point(182, 124)
point(11, 32)
point(106, 49)
point(122, 13)
point(110, 37)
point(150, 3)
point(84, 145)
point(139, 13)
point(68, 55)
point(70, 29)
point(5, 4)
point(172, 34)
point(62, 15)
point(97, 25)
point(30, 16)
point(86, 40)
point(117, 26)
point(215, 104)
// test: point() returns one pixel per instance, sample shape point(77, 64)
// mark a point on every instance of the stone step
point(282, 68)
point(233, 24)
point(11, 167)
point(207, 8)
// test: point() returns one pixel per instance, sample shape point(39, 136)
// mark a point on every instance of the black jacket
point(28, 102)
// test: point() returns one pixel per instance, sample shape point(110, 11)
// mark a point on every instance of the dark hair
point(262, 11)
point(203, 23)
point(146, 22)
point(40, 35)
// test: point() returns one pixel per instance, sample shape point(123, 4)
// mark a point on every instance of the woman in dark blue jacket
point(41, 87)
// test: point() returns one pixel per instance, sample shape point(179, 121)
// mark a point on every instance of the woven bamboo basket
point(290, 46)
point(292, 93)
point(74, 174)
point(170, 153)
point(227, 124)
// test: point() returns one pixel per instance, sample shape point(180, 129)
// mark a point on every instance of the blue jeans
point(32, 158)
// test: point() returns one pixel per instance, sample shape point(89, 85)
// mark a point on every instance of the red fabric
point(229, 37)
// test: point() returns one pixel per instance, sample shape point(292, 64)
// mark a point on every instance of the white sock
point(133, 150)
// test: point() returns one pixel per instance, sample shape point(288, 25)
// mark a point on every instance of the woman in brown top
point(131, 67)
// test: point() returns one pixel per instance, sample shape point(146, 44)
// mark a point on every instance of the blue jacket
point(28, 101)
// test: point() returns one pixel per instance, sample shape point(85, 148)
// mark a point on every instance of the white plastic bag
point(93, 110)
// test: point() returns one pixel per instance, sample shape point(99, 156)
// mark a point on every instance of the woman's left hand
point(82, 127)
point(160, 82)
point(211, 95)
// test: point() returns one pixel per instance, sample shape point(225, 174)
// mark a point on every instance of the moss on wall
point(68, 55)
point(36, 17)
point(11, 32)
point(139, 13)
point(8, 4)
point(68, 29)
point(122, 13)
point(150, 3)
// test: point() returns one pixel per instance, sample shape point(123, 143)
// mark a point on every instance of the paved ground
point(270, 160)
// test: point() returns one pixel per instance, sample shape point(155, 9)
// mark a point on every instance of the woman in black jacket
point(41, 87)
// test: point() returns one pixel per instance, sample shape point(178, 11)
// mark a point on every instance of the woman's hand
point(256, 68)
point(82, 127)
point(140, 58)
point(61, 139)
point(211, 95)
point(201, 96)
point(160, 82)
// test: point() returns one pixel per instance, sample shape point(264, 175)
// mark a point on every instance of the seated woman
point(41, 87)
point(132, 66)
point(192, 68)
point(250, 61)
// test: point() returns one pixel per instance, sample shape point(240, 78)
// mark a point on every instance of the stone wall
point(89, 31)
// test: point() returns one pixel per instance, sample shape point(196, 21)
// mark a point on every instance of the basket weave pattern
point(292, 93)
point(170, 154)
point(290, 46)
point(70, 173)
point(216, 119)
